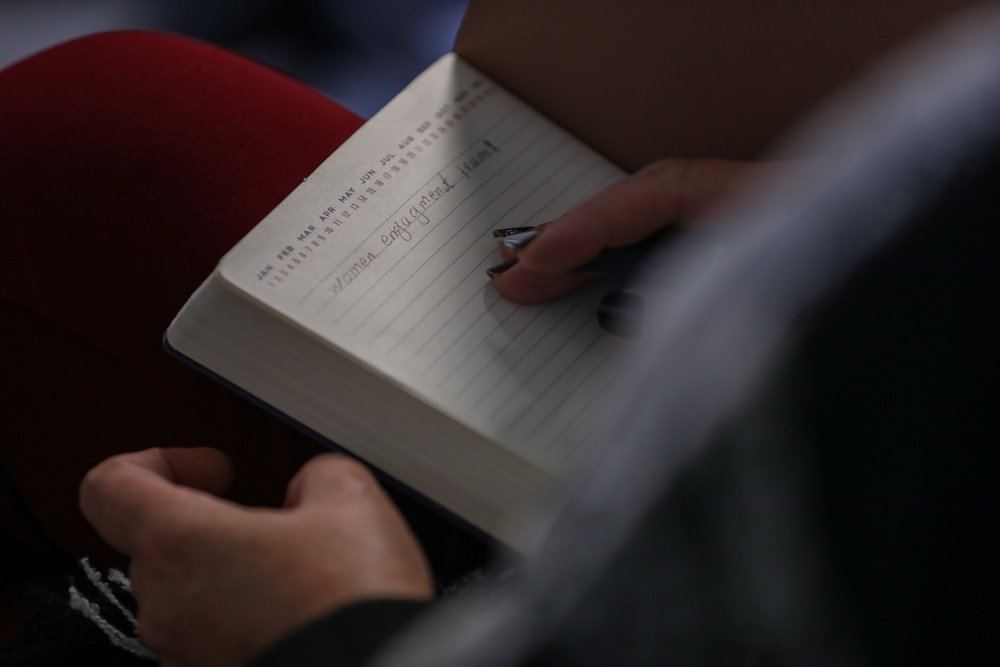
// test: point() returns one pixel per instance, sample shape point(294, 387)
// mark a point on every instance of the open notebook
point(360, 308)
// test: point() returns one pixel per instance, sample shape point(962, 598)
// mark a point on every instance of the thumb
point(126, 492)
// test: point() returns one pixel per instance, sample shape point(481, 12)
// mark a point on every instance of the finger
point(128, 492)
point(330, 478)
point(366, 527)
point(522, 285)
point(622, 214)
point(630, 210)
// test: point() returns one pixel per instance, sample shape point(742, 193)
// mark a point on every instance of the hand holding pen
point(610, 233)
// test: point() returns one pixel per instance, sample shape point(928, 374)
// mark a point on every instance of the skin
point(663, 193)
point(217, 583)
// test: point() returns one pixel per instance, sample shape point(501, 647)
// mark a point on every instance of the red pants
point(129, 163)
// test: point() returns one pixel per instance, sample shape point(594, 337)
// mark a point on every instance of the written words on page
point(398, 230)
point(371, 183)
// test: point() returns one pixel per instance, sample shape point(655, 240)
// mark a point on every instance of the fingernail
point(500, 234)
point(521, 241)
point(501, 267)
point(620, 313)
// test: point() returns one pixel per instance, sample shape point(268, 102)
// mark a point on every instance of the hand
point(216, 583)
point(624, 213)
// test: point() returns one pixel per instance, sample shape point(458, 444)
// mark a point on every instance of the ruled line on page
point(447, 315)
point(488, 360)
point(585, 407)
point(565, 397)
point(508, 368)
point(430, 258)
point(377, 229)
point(475, 245)
point(430, 308)
point(420, 313)
point(406, 263)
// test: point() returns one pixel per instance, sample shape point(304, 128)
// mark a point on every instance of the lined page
point(383, 252)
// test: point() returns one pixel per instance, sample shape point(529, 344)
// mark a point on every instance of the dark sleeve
point(345, 638)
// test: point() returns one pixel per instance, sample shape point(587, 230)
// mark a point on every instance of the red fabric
point(129, 163)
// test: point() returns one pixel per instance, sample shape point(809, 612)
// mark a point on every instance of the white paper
point(383, 252)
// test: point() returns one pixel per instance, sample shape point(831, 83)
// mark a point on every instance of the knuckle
point(351, 475)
